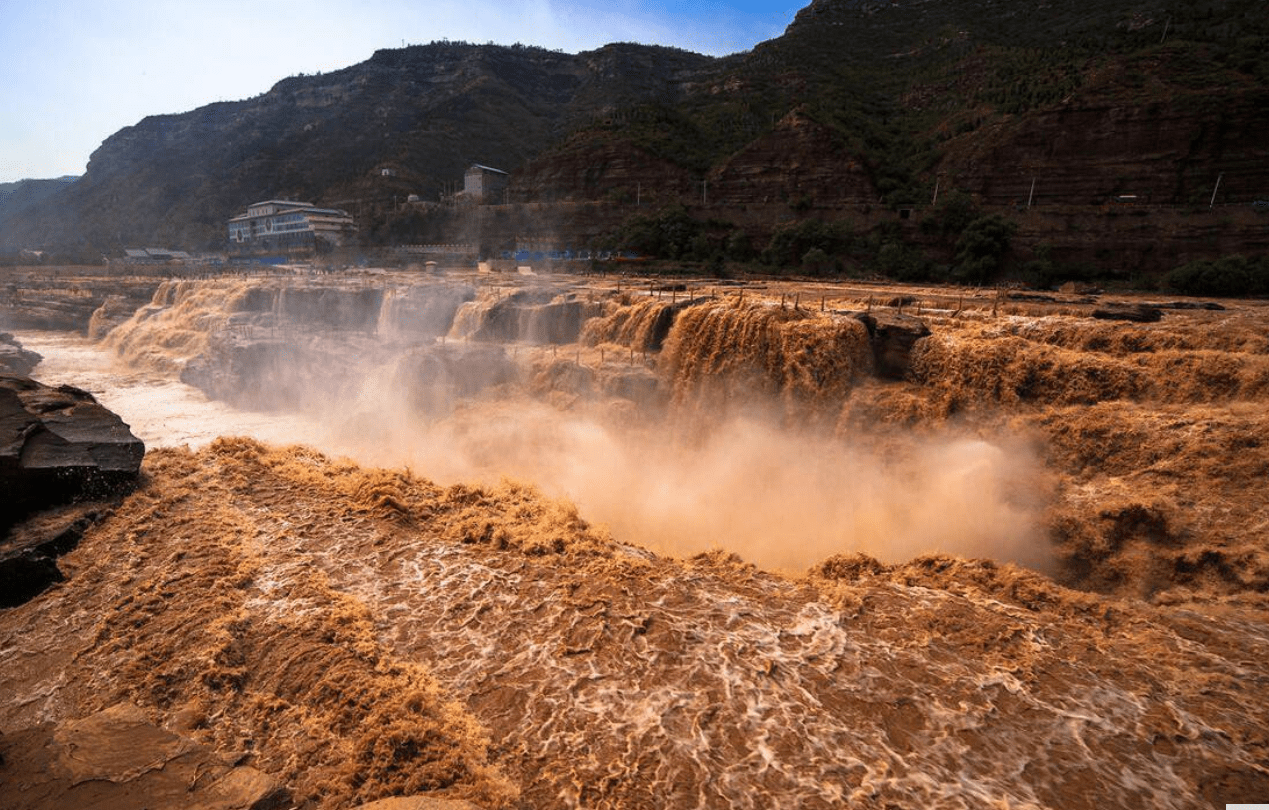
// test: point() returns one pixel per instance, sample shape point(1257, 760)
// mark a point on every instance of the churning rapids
point(556, 544)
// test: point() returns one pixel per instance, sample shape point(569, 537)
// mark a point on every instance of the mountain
point(860, 102)
point(1130, 96)
point(18, 196)
point(406, 121)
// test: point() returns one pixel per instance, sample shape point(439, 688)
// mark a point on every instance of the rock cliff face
point(67, 298)
point(407, 121)
point(800, 160)
point(595, 166)
point(1165, 151)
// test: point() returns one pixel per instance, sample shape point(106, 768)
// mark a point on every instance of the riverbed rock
point(544, 316)
point(28, 554)
point(59, 445)
point(64, 299)
point(113, 311)
point(14, 359)
point(1137, 313)
point(118, 760)
point(893, 335)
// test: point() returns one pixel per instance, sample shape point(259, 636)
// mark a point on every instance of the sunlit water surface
point(161, 410)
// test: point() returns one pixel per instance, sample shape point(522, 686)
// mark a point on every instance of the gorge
point(606, 541)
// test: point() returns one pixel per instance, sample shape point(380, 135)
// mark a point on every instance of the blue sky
point(74, 72)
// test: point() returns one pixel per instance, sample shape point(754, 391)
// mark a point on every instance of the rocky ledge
point(57, 446)
point(14, 359)
point(118, 759)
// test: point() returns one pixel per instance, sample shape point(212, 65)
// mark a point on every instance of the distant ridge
point(859, 101)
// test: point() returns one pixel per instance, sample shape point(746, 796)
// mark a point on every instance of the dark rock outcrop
point(58, 445)
point(14, 359)
point(1210, 306)
point(1138, 313)
point(118, 760)
point(893, 335)
point(28, 555)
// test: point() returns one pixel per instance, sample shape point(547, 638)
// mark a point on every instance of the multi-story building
point(288, 225)
point(484, 185)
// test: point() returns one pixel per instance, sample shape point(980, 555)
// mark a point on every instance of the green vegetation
point(824, 242)
point(901, 261)
point(668, 234)
point(981, 248)
point(1229, 276)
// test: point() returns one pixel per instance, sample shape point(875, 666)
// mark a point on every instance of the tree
point(1230, 275)
point(981, 248)
point(790, 243)
point(816, 262)
point(668, 234)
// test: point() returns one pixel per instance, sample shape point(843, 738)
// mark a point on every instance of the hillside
point(1135, 96)
point(18, 196)
point(859, 102)
point(422, 114)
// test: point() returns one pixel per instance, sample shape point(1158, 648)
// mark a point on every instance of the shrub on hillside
point(790, 243)
point(668, 234)
point(1228, 276)
point(981, 248)
point(903, 262)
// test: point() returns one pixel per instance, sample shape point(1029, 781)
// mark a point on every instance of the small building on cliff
point(289, 225)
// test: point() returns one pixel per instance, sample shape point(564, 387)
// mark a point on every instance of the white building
point(289, 225)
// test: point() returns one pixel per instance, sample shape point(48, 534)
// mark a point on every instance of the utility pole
point(1031, 196)
point(1212, 204)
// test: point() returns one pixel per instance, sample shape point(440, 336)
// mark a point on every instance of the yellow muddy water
point(362, 633)
point(553, 593)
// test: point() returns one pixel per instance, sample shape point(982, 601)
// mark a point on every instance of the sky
point(74, 72)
